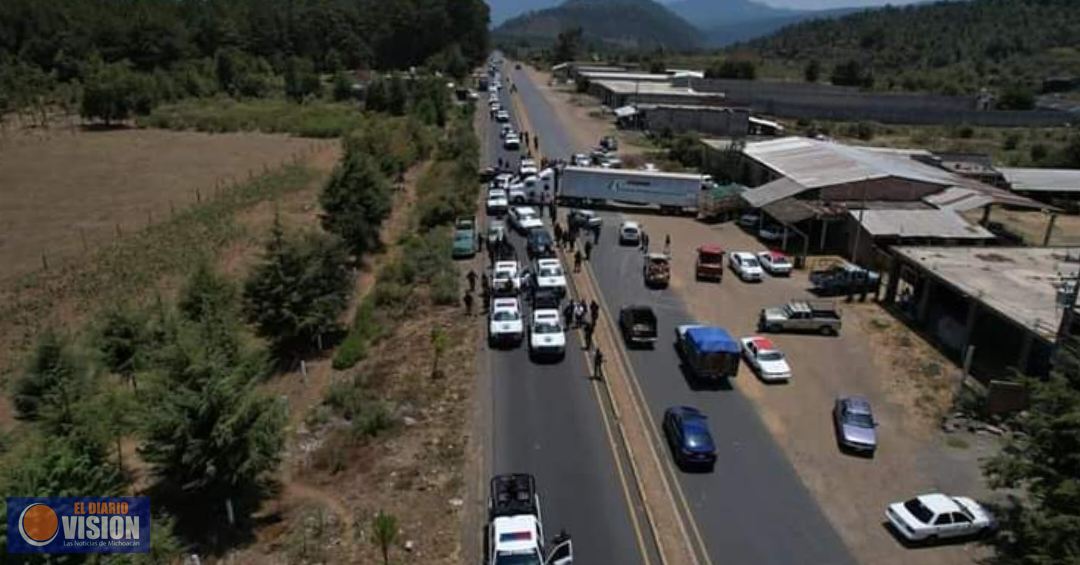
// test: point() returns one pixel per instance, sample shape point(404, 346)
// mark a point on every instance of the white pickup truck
point(516, 529)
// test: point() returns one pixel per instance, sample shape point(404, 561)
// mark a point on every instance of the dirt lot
point(1031, 226)
point(71, 186)
point(907, 381)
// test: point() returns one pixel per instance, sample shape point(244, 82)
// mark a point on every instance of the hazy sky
point(817, 4)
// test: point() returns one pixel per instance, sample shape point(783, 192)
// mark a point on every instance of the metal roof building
point(616, 93)
point(1043, 180)
point(945, 224)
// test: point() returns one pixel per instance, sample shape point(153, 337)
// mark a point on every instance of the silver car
point(855, 425)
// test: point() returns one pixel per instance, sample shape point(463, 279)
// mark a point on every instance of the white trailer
point(671, 191)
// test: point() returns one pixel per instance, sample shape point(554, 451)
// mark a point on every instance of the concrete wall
point(821, 101)
point(727, 122)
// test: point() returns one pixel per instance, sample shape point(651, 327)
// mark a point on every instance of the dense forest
point(169, 49)
point(607, 24)
point(948, 47)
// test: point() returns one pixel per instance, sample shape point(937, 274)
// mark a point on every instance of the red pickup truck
point(710, 263)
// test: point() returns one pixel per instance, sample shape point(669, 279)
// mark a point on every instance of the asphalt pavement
point(753, 508)
point(547, 420)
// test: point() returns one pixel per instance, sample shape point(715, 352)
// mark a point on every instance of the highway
point(549, 420)
point(753, 508)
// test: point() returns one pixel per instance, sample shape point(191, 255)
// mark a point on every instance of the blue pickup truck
point(709, 352)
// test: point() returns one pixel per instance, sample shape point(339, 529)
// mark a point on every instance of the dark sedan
point(687, 432)
point(539, 244)
point(855, 425)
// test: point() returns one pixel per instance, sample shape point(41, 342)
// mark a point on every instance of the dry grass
point(1031, 226)
point(66, 192)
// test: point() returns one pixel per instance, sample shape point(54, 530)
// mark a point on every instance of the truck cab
point(515, 527)
point(710, 263)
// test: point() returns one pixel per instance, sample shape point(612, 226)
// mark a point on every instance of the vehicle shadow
point(928, 544)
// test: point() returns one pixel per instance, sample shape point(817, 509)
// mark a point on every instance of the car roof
point(505, 303)
point(523, 209)
point(505, 264)
point(545, 313)
point(857, 404)
point(711, 248)
point(631, 224)
point(548, 262)
point(939, 503)
point(762, 343)
point(774, 255)
point(743, 254)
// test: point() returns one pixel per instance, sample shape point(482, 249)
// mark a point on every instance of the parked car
point(750, 220)
point(546, 337)
point(609, 143)
point(638, 325)
point(930, 517)
point(497, 202)
point(512, 142)
point(505, 278)
point(539, 243)
point(505, 324)
point(583, 218)
point(506, 130)
point(528, 168)
point(855, 425)
point(502, 116)
point(805, 316)
point(630, 233)
point(765, 359)
point(525, 218)
point(745, 265)
point(775, 263)
point(545, 298)
point(844, 278)
point(549, 274)
point(581, 160)
point(710, 263)
point(688, 436)
point(464, 245)
point(496, 232)
point(769, 232)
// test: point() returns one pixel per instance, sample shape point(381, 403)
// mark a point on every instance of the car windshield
point(546, 327)
point(771, 356)
point(504, 558)
point(463, 237)
point(711, 257)
point(505, 316)
point(697, 435)
point(919, 510)
point(860, 419)
point(551, 272)
point(781, 260)
point(749, 262)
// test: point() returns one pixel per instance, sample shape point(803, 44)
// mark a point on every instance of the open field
point(67, 193)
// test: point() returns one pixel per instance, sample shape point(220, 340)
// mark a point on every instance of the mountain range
point(715, 23)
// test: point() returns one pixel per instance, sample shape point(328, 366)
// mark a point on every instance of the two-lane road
point(753, 508)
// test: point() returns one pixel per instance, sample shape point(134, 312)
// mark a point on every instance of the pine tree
point(52, 384)
point(355, 201)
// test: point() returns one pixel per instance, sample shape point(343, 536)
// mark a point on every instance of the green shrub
point(352, 350)
point(374, 419)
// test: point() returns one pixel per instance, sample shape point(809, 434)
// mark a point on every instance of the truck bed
point(513, 495)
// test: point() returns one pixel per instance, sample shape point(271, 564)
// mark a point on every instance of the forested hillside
point(944, 47)
point(169, 49)
point(629, 24)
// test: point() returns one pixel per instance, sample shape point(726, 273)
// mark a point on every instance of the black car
point(539, 244)
point(545, 298)
point(687, 432)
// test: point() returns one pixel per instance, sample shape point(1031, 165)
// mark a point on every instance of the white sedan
point(630, 233)
point(546, 337)
point(505, 278)
point(505, 325)
point(512, 142)
point(497, 202)
point(549, 274)
point(525, 218)
point(776, 263)
point(937, 516)
point(765, 359)
point(528, 168)
point(745, 265)
point(502, 116)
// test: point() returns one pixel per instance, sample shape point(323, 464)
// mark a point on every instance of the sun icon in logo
point(38, 524)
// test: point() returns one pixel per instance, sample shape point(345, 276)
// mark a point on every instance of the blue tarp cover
point(712, 340)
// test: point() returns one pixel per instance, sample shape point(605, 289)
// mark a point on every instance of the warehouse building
point(709, 120)
point(1060, 187)
point(619, 93)
point(1004, 302)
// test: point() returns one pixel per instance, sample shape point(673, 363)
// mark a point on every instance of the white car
point(937, 516)
point(765, 359)
point(525, 218)
point(528, 168)
point(745, 265)
point(502, 116)
point(505, 277)
point(496, 231)
point(630, 233)
point(549, 274)
point(776, 263)
point(771, 233)
point(512, 142)
point(581, 160)
point(506, 130)
point(749, 220)
point(505, 324)
point(546, 337)
point(502, 180)
point(517, 193)
point(497, 202)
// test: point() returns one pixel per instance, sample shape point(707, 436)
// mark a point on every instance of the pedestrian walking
point(588, 335)
point(468, 303)
point(471, 277)
point(588, 249)
point(598, 364)
point(594, 309)
point(536, 142)
point(558, 235)
point(480, 243)
point(577, 261)
point(579, 313)
point(554, 209)
point(568, 313)
point(667, 244)
point(485, 295)
point(644, 241)
point(596, 234)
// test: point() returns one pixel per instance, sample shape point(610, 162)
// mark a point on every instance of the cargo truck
point(672, 192)
point(709, 353)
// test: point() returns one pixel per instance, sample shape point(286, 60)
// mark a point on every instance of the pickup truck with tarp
point(515, 527)
point(709, 353)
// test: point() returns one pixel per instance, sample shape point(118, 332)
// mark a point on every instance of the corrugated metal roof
point(774, 191)
point(617, 75)
point(1043, 180)
point(790, 211)
point(631, 87)
point(944, 224)
point(959, 199)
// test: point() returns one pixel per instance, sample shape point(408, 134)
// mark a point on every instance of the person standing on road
point(594, 310)
point(558, 234)
point(579, 313)
point(554, 209)
point(598, 364)
point(588, 335)
point(536, 142)
point(471, 277)
point(596, 233)
point(644, 241)
point(468, 303)
point(568, 314)
point(667, 244)
point(588, 249)
point(577, 261)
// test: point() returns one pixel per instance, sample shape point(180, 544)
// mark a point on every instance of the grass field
point(217, 115)
point(66, 194)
